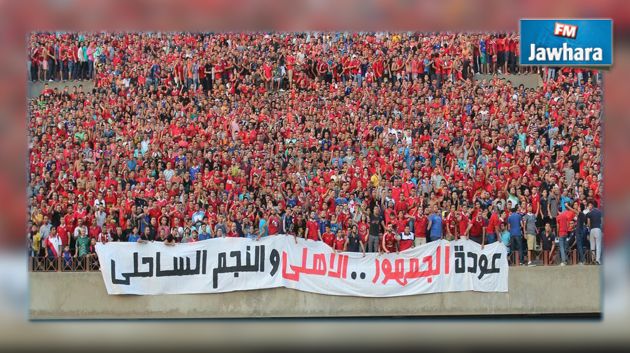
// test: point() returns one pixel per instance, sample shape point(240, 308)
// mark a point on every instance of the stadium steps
point(35, 88)
point(528, 80)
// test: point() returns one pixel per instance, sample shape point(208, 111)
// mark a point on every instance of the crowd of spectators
point(371, 142)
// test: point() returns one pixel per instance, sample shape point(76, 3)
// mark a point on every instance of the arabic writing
point(182, 265)
point(179, 269)
point(402, 274)
point(479, 263)
point(238, 267)
point(319, 267)
point(290, 263)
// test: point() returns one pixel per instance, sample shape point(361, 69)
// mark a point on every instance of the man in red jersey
point(476, 228)
point(274, 222)
point(328, 237)
point(406, 239)
point(563, 219)
point(421, 222)
point(390, 241)
point(312, 229)
point(463, 223)
point(492, 232)
point(339, 243)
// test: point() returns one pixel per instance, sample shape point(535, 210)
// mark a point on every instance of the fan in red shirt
point(94, 231)
point(390, 241)
point(406, 239)
point(476, 228)
point(52, 244)
point(363, 228)
point(338, 143)
point(63, 231)
point(421, 221)
point(451, 224)
point(463, 224)
point(312, 229)
point(492, 229)
point(328, 237)
point(339, 243)
point(70, 219)
point(232, 233)
point(563, 220)
point(274, 223)
point(401, 222)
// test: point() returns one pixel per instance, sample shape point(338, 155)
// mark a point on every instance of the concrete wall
point(35, 88)
point(537, 290)
point(527, 80)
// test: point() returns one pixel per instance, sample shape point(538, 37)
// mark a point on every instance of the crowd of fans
point(368, 141)
point(339, 56)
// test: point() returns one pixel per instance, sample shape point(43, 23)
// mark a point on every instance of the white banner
point(231, 264)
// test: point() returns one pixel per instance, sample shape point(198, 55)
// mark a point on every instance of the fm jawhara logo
point(566, 42)
point(565, 30)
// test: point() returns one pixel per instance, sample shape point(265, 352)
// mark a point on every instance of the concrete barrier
point(527, 80)
point(35, 88)
point(532, 291)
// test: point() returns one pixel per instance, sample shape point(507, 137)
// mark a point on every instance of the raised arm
point(383, 245)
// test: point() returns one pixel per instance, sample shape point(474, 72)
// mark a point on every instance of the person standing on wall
point(594, 222)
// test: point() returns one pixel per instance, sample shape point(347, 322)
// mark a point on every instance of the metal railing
point(555, 257)
point(87, 263)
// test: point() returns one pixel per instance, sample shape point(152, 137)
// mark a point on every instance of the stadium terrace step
point(35, 88)
point(527, 80)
